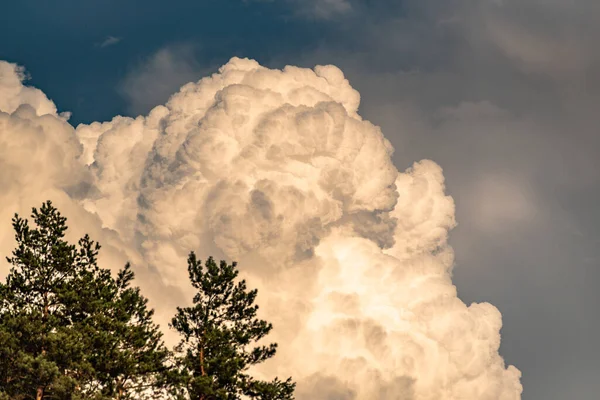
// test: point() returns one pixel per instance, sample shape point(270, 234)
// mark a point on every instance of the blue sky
point(60, 42)
point(502, 91)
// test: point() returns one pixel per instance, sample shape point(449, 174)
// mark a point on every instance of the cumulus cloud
point(277, 170)
point(38, 149)
point(41, 158)
point(15, 94)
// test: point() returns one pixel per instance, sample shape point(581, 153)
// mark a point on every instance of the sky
point(503, 95)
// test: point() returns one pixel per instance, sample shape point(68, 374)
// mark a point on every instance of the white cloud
point(15, 94)
point(276, 169)
point(41, 158)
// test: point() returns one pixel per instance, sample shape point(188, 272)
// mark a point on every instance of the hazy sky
point(502, 94)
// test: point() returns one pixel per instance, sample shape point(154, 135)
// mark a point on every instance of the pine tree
point(40, 347)
point(125, 348)
point(218, 332)
point(129, 357)
point(68, 329)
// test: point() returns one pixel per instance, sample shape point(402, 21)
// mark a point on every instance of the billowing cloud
point(277, 170)
point(15, 94)
point(41, 158)
point(38, 150)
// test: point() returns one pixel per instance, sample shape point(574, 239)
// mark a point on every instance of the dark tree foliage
point(218, 335)
point(125, 347)
point(68, 329)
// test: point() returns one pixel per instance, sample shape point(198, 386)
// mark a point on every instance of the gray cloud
point(155, 79)
point(324, 9)
point(318, 9)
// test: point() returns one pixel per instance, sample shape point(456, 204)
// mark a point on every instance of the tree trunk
point(40, 390)
point(202, 371)
point(40, 393)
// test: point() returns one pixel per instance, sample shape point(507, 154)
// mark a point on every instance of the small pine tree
point(68, 330)
point(218, 332)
